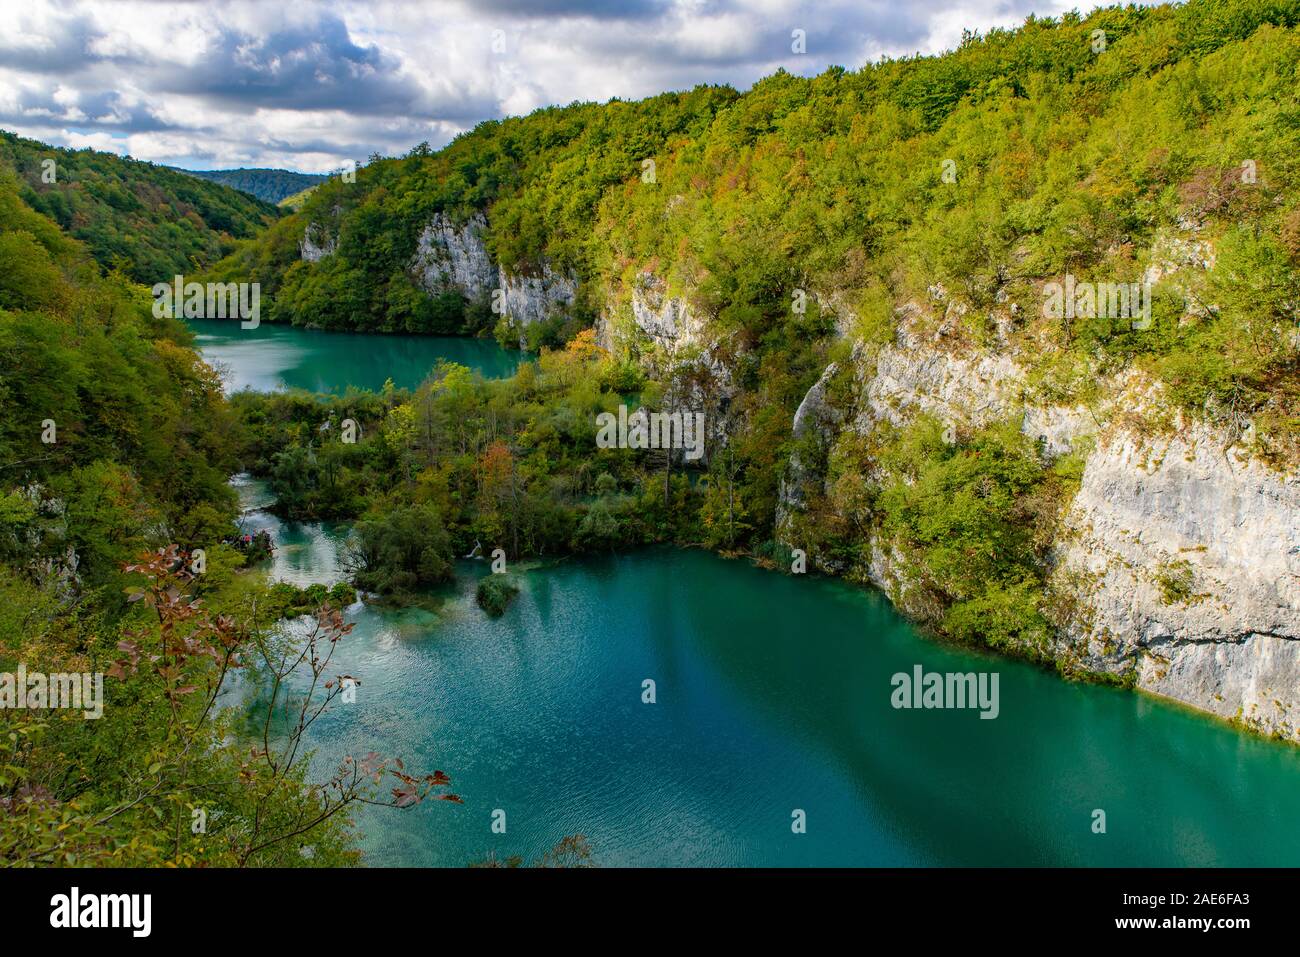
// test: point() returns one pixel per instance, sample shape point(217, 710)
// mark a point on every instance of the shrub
point(495, 592)
point(401, 550)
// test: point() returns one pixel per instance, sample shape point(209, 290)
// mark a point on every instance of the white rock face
point(454, 257)
point(678, 338)
point(815, 416)
point(677, 329)
point(1057, 426)
point(815, 412)
point(1191, 510)
point(316, 243)
point(964, 391)
point(530, 299)
point(669, 320)
point(1186, 511)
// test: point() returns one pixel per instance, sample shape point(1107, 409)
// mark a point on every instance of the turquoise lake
point(273, 357)
point(773, 695)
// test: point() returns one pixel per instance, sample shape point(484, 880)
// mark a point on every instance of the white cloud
point(313, 85)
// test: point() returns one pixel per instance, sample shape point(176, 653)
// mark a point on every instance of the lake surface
point(773, 694)
point(273, 357)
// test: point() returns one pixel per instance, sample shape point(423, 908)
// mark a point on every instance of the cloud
point(313, 86)
point(314, 67)
point(106, 110)
point(570, 9)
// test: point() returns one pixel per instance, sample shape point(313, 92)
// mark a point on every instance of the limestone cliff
point(1183, 550)
point(316, 243)
point(529, 299)
point(448, 256)
point(455, 256)
point(1190, 555)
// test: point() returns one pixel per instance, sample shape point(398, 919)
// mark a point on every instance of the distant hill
point(268, 185)
point(152, 220)
point(294, 202)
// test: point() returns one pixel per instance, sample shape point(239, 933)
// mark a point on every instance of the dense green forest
point(268, 185)
point(151, 222)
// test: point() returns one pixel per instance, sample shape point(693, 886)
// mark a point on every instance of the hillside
point(551, 167)
point(268, 185)
point(116, 557)
point(151, 221)
point(852, 276)
point(294, 202)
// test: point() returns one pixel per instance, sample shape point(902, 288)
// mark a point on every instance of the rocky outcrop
point(913, 378)
point(964, 392)
point(649, 315)
point(451, 256)
point(530, 299)
point(674, 342)
point(316, 243)
point(815, 412)
point(1187, 554)
point(448, 256)
point(668, 320)
point(815, 418)
point(455, 257)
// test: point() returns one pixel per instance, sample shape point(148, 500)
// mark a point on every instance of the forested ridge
point(151, 222)
point(268, 185)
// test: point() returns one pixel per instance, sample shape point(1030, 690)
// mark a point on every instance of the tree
point(254, 804)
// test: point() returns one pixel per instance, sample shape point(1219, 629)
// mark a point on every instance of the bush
point(495, 592)
point(401, 550)
point(1004, 617)
point(972, 518)
point(1175, 581)
point(292, 601)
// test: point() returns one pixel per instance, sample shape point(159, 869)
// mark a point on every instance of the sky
point(314, 86)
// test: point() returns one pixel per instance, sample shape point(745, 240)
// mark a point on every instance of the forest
point(148, 221)
point(268, 185)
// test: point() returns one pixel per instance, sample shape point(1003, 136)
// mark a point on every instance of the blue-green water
point(273, 357)
point(773, 694)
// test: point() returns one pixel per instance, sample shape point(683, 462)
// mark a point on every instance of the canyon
point(1181, 546)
